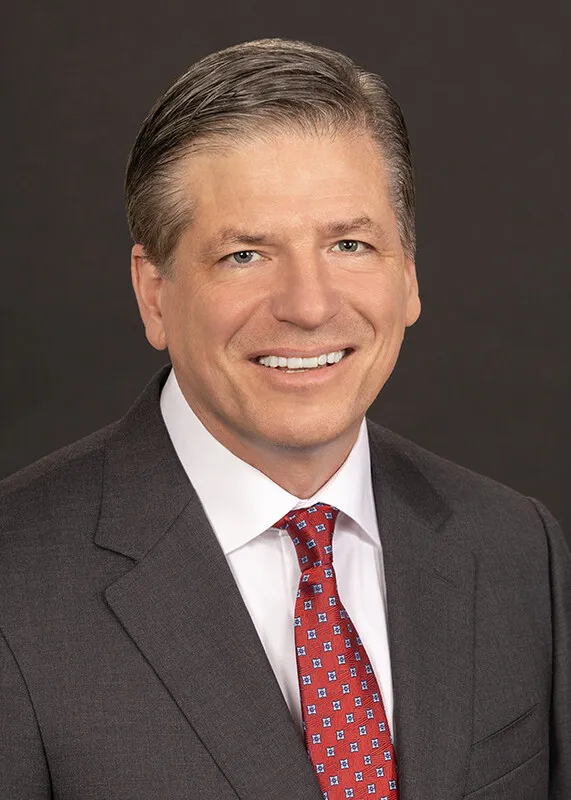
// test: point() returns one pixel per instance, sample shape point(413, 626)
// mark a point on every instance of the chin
point(306, 434)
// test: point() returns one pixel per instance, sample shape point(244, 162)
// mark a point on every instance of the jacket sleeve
point(560, 737)
point(24, 772)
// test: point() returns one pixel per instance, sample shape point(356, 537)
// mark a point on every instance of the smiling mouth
point(298, 364)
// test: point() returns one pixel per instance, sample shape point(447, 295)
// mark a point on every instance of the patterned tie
point(346, 731)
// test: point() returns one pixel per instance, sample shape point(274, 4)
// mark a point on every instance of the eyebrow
point(229, 236)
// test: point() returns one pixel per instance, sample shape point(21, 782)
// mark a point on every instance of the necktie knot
point(311, 531)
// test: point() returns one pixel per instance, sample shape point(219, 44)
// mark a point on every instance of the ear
point(412, 296)
point(148, 284)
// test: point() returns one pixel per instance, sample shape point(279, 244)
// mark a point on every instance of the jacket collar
point(430, 579)
point(144, 483)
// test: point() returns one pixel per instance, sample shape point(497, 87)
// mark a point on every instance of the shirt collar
point(239, 500)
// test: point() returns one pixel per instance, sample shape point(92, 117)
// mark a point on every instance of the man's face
point(293, 252)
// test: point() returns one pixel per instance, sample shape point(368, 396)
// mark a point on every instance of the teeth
point(302, 363)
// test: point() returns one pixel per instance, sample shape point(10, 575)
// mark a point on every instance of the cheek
point(382, 301)
point(178, 329)
point(205, 318)
point(232, 310)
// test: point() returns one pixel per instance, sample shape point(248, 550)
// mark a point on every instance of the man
point(177, 619)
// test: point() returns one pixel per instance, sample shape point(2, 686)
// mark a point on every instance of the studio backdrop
point(483, 377)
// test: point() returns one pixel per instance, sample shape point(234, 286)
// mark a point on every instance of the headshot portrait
point(247, 583)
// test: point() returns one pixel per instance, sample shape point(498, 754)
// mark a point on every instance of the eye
point(242, 257)
point(351, 246)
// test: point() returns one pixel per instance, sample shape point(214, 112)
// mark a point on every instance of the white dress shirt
point(242, 504)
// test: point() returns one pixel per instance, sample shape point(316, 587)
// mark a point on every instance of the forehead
point(286, 181)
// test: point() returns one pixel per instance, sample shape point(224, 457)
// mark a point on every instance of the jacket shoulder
point(65, 483)
point(469, 494)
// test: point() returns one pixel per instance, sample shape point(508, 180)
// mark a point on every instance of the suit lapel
point(181, 606)
point(430, 599)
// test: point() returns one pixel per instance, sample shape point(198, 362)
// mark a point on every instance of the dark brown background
point(484, 375)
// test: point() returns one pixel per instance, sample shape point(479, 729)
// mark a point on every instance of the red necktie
point(346, 731)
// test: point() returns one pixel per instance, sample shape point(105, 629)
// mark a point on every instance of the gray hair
point(253, 87)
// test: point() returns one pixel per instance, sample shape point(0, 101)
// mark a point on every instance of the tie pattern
point(346, 731)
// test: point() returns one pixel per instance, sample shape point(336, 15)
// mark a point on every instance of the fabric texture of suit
point(131, 670)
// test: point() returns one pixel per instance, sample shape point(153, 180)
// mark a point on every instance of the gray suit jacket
point(130, 668)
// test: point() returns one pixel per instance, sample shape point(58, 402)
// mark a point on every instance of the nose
point(303, 292)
